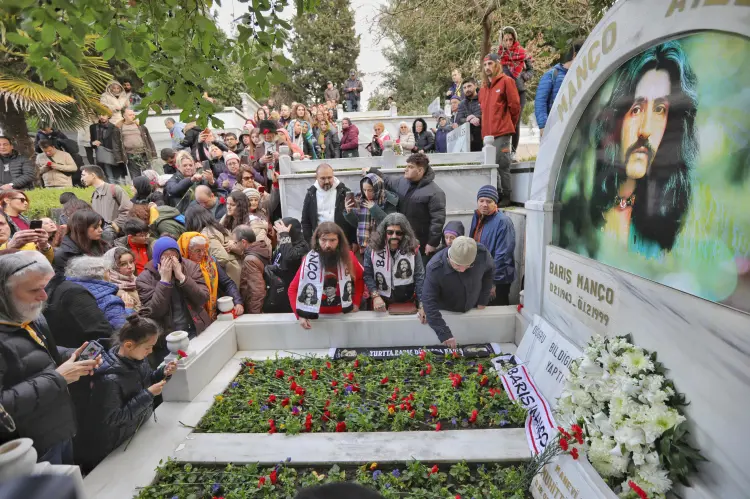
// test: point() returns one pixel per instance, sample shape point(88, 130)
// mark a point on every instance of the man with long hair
point(394, 272)
point(329, 268)
point(647, 147)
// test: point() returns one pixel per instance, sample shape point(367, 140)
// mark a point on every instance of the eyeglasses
point(394, 232)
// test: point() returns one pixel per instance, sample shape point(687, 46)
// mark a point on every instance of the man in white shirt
point(325, 202)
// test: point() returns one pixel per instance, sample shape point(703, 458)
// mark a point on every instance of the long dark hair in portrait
point(303, 295)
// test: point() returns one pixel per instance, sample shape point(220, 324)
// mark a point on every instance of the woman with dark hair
point(369, 208)
point(14, 203)
point(72, 206)
point(84, 237)
point(290, 249)
point(199, 219)
point(424, 140)
point(238, 211)
point(143, 190)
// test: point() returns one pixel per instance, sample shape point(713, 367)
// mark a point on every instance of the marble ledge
point(496, 445)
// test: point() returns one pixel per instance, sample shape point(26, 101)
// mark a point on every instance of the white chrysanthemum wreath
point(633, 429)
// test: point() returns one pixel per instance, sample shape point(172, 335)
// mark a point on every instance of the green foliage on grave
point(413, 480)
point(409, 393)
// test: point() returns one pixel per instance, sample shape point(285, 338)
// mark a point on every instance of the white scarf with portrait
point(311, 278)
point(390, 269)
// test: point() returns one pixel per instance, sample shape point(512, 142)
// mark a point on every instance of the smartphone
point(35, 224)
point(350, 196)
point(92, 351)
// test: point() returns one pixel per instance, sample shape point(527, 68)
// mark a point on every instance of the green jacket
point(169, 222)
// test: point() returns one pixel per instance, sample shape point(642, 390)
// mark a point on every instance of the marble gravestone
point(638, 222)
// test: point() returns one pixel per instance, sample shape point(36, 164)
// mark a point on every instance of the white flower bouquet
point(631, 419)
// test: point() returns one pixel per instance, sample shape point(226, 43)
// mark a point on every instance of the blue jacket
point(441, 139)
point(499, 237)
point(446, 289)
point(546, 92)
point(105, 294)
point(178, 135)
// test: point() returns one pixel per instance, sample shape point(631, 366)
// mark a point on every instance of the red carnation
point(392, 407)
point(272, 398)
point(279, 373)
point(326, 416)
point(455, 355)
point(434, 411)
point(574, 453)
point(314, 374)
point(249, 402)
point(484, 380)
point(261, 481)
point(412, 413)
point(301, 372)
point(222, 200)
point(438, 427)
point(433, 470)
point(349, 376)
point(641, 493)
point(285, 402)
point(480, 369)
point(429, 368)
point(356, 363)
point(299, 391)
point(252, 157)
point(394, 396)
point(421, 373)
point(402, 406)
point(422, 355)
point(293, 386)
point(474, 415)
point(250, 364)
point(274, 477)
point(384, 381)
point(355, 388)
point(341, 426)
point(564, 444)
point(182, 354)
point(328, 402)
point(328, 365)
point(334, 383)
point(579, 438)
point(49, 163)
point(564, 433)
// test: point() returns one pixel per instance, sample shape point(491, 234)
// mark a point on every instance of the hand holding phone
point(35, 224)
point(92, 351)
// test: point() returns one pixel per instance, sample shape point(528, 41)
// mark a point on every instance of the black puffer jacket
point(21, 169)
point(424, 140)
point(74, 316)
point(423, 204)
point(31, 390)
point(119, 404)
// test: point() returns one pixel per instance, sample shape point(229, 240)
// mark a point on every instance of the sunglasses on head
point(394, 232)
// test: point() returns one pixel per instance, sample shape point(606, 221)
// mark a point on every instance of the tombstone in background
point(638, 219)
point(459, 139)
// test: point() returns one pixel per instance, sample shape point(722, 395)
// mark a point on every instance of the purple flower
point(387, 485)
point(503, 412)
point(215, 488)
point(235, 384)
point(453, 421)
point(376, 474)
point(349, 389)
point(263, 408)
point(406, 380)
point(396, 473)
point(503, 422)
point(295, 410)
point(289, 459)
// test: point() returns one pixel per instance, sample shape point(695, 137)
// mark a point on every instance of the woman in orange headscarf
point(194, 247)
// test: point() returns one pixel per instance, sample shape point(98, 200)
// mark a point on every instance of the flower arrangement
point(629, 414)
point(408, 393)
point(412, 480)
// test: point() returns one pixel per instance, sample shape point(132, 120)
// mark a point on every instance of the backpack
point(275, 289)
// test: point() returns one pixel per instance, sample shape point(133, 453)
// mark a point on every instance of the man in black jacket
point(16, 171)
point(34, 372)
point(101, 136)
point(458, 279)
point(470, 110)
point(421, 200)
point(180, 188)
point(325, 202)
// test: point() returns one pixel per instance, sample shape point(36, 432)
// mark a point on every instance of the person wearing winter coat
point(16, 171)
point(169, 222)
point(330, 144)
point(137, 241)
point(84, 237)
point(424, 140)
point(89, 272)
point(349, 139)
point(352, 90)
point(257, 255)
point(291, 247)
point(35, 373)
point(421, 200)
point(451, 231)
point(180, 188)
point(324, 202)
point(54, 137)
point(121, 262)
point(550, 84)
point(405, 138)
point(495, 231)
point(101, 136)
point(369, 208)
point(469, 110)
point(132, 145)
point(175, 290)
point(55, 166)
point(190, 140)
point(441, 135)
point(517, 65)
point(123, 389)
point(116, 99)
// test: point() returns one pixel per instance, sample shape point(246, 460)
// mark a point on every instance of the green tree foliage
point(324, 47)
point(430, 39)
point(52, 53)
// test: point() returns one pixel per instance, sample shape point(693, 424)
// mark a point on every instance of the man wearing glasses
point(458, 279)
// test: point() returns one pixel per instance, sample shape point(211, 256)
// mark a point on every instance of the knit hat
point(454, 228)
point(488, 191)
point(251, 193)
point(463, 251)
point(163, 244)
point(492, 57)
point(230, 155)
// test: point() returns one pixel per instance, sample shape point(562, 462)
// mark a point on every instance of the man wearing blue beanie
point(495, 231)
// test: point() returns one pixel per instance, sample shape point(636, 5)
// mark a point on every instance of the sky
point(371, 62)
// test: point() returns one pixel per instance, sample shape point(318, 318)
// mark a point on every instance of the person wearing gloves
point(458, 279)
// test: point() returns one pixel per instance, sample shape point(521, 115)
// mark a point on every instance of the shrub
point(43, 201)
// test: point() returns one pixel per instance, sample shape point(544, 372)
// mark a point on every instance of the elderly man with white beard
point(34, 372)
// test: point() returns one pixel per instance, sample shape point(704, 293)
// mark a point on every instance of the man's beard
point(394, 239)
point(650, 153)
point(30, 312)
point(329, 258)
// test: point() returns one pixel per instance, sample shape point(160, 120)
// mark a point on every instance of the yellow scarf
point(208, 268)
point(29, 329)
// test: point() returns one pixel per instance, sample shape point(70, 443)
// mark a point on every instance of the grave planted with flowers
point(413, 480)
point(424, 392)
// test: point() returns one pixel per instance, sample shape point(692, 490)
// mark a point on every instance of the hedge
point(43, 201)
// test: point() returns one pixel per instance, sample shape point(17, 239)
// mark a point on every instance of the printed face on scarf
point(394, 235)
point(324, 176)
point(486, 206)
point(508, 40)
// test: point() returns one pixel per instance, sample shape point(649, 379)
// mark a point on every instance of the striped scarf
point(366, 224)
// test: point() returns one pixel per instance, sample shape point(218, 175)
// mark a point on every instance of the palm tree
point(71, 104)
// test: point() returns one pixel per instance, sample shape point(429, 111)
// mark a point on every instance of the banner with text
point(459, 140)
point(468, 351)
point(567, 478)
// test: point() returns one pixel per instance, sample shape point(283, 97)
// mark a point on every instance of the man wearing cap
point(352, 89)
point(267, 153)
point(501, 108)
point(494, 230)
point(458, 279)
point(331, 93)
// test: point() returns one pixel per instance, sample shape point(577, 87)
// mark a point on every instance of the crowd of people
point(122, 269)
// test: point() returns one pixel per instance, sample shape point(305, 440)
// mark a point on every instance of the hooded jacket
point(291, 248)
point(546, 92)
point(20, 171)
point(441, 138)
point(119, 404)
point(501, 106)
point(170, 221)
point(310, 212)
point(118, 146)
point(76, 316)
point(456, 227)
point(69, 249)
point(143, 190)
point(252, 284)
point(105, 294)
point(350, 138)
point(116, 103)
point(33, 393)
point(423, 204)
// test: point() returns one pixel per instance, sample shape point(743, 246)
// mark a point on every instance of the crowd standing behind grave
point(152, 252)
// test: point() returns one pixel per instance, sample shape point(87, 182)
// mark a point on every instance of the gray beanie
point(463, 251)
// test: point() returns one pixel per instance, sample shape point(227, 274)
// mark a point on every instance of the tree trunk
point(13, 125)
point(486, 35)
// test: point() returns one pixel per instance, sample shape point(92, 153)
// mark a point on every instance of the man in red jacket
point(501, 107)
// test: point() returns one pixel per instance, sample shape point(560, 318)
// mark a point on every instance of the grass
point(43, 200)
